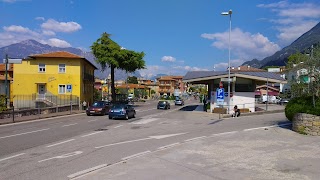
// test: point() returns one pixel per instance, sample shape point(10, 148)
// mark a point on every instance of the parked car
point(179, 101)
point(163, 105)
point(98, 108)
point(122, 111)
point(283, 101)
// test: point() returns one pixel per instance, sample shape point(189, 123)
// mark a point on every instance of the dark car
point(179, 101)
point(163, 105)
point(122, 111)
point(98, 108)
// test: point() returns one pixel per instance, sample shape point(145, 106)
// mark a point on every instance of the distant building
point(168, 84)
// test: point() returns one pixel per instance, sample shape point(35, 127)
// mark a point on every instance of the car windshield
point(98, 104)
point(118, 106)
point(162, 102)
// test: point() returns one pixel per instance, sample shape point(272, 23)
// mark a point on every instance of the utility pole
point(6, 80)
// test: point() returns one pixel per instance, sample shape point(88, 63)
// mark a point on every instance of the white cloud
point(244, 45)
point(16, 29)
point(58, 43)
point(294, 19)
point(153, 70)
point(40, 18)
point(48, 33)
point(223, 66)
point(168, 59)
point(56, 26)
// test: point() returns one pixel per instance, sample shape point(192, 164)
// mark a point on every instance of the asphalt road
point(67, 147)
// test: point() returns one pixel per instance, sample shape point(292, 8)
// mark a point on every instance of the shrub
point(302, 104)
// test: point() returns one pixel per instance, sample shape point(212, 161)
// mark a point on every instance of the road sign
point(220, 96)
point(13, 61)
point(69, 88)
point(230, 79)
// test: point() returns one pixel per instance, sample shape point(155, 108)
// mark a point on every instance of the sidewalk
point(39, 116)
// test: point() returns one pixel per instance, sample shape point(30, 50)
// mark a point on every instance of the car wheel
point(127, 117)
point(110, 117)
point(88, 114)
point(134, 115)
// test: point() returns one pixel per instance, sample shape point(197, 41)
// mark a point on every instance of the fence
point(43, 101)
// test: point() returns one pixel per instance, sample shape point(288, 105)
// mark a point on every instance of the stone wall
point(306, 124)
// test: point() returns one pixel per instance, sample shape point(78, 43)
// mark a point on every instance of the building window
point(62, 68)
point(62, 89)
point(42, 68)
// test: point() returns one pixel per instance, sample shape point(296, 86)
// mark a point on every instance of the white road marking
point(91, 134)
point(63, 156)
point(136, 155)
point(143, 139)
point(280, 125)
point(61, 142)
point(93, 120)
point(118, 126)
point(12, 157)
point(145, 121)
point(80, 173)
point(124, 142)
point(196, 138)
point(224, 133)
point(168, 146)
point(3, 137)
point(145, 110)
point(69, 125)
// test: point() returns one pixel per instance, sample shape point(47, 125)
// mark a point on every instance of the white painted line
point(91, 134)
point(145, 110)
point(61, 142)
point(63, 156)
point(224, 133)
point(136, 155)
point(69, 125)
point(280, 125)
point(168, 146)
point(3, 137)
point(12, 157)
point(80, 173)
point(122, 143)
point(93, 120)
point(118, 126)
point(196, 138)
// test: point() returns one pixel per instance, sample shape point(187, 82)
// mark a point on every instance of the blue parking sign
point(220, 93)
point(220, 96)
point(69, 88)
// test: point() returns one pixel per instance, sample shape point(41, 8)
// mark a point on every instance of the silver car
point(179, 101)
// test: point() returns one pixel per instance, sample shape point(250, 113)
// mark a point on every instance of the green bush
point(302, 104)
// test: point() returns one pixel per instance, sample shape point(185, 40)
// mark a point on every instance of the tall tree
point(109, 54)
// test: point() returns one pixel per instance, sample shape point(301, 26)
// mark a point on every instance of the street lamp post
point(229, 13)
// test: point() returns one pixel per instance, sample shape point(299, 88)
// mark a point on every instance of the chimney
point(239, 68)
point(248, 67)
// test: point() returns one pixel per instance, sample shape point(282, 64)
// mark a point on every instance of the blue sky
point(176, 35)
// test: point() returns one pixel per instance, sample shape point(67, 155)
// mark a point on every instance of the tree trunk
point(113, 89)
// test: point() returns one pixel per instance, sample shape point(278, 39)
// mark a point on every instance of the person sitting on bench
point(236, 111)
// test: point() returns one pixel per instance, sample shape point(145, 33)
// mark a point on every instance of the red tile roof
point(58, 54)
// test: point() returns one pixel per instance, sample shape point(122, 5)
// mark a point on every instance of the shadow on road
point(188, 108)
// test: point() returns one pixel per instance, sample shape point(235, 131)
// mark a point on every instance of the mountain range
point(302, 44)
point(28, 47)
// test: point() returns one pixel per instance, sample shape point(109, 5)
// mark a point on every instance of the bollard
point(13, 114)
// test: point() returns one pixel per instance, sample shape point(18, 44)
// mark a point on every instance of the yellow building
point(53, 79)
